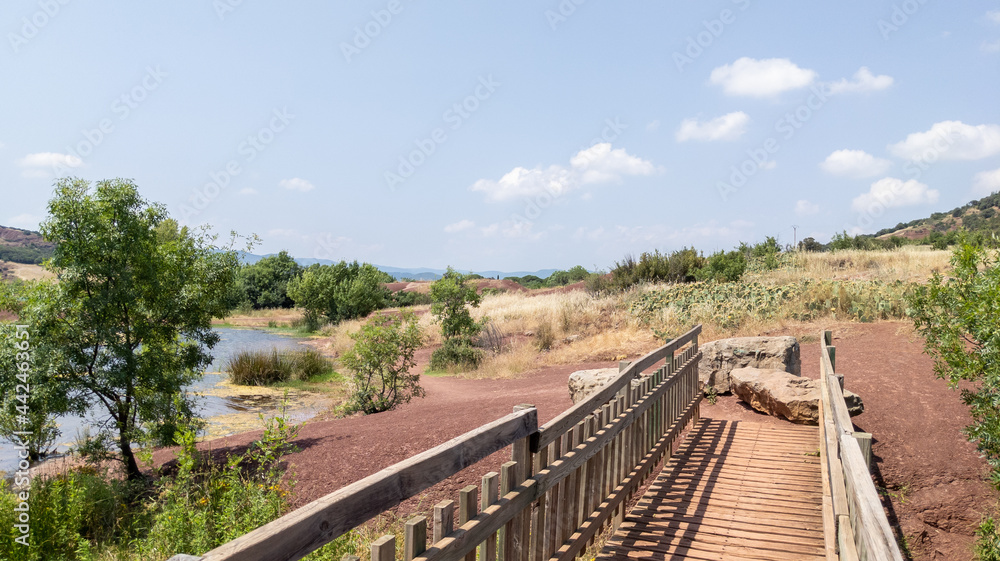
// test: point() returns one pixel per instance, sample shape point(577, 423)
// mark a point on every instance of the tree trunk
point(131, 466)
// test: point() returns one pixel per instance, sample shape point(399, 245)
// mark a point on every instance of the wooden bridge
point(728, 490)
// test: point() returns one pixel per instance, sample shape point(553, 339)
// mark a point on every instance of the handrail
point(570, 417)
point(565, 483)
point(312, 526)
point(860, 530)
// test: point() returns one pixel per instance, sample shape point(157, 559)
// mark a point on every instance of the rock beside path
point(720, 358)
point(781, 394)
point(583, 383)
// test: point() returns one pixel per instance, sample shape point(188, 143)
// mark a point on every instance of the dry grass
point(27, 272)
point(908, 263)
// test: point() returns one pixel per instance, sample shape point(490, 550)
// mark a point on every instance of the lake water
point(223, 406)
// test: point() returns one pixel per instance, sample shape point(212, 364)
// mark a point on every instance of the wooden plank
point(468, 497)
point(490, 495)
point(569, 418)
point(508, 473)
point(872, 532)
point(312, 526)
point(444, 520)
point(384, 549)
point(415, 537)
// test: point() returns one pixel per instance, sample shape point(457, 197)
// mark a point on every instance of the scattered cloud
point(863, 81)
point(993, 16)
point(597, 164)
point(986, 183)
point(248, 191)
point(25, 220)
point(990, 46)
point(730, 126)
point(651, 126)
point(761, 78)
point(770, 164)
point(459, 226)
point(282, 233)
point(43, 164)
point(890, 192)
point(854, 163)
point(806, 208)
point(296, 184)
point(950, 140)
point(512, 229)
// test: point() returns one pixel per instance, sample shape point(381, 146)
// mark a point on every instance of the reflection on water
point(227, 408)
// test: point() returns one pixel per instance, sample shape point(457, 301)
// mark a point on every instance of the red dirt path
point(933, 474)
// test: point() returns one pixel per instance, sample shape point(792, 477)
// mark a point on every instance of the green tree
point(339, 292)
point(128, 323)
point(381, 358)
point(266, 281)
point(451, 295)
point(958, 320)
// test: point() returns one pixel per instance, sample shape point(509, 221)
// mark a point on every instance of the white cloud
point(990, 46)
point(597, 164)
point(864, 81)
point(730, 126)
point(806, 208)
point(248, 191)
point(514, 229)
point(854, 163)
point(770, 164)
point(986, 182)
point(993, 16)
point(25, 220)
point(459, 226)
point(950, 140)
point(282, 233)
point(602, 164)
point(890, 192)
point(43, 164)
point(761, 78)
point(296, 184)
point(650, 126)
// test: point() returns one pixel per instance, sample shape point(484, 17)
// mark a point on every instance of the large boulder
point(582, 383)
point(721, 357)
point(781, 394)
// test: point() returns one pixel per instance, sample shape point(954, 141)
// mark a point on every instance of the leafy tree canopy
point(128, 323)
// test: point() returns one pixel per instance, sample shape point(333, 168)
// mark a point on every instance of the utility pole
point(795, 237)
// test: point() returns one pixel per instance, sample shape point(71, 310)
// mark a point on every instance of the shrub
point(451, 296)
point(545, 336)
point(265, 367)
point(265, 282)
point(957, 318)
point(723, 266)
point(339, 292)
point(405, 298)
point(381, 359)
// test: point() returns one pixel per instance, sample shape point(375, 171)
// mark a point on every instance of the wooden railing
point(566, 481)
point(856, 526)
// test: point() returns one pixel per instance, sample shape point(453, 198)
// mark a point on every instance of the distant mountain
point(978, 215)
point(23, 246)
point(420, 273)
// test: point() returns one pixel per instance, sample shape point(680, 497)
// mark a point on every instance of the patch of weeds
point(711, 395)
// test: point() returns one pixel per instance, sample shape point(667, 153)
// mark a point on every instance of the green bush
point(723, 266)
point(457, 351)
point(452, 296)
point(381, 358)
point(265, 283)
point(339, 292)
point(403, 299)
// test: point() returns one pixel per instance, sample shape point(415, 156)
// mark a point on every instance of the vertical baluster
point(491, 493)
point(414, 538)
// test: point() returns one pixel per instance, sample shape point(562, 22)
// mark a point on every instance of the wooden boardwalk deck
point(734, 490)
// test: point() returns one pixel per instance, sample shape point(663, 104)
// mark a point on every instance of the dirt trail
point(933, 475)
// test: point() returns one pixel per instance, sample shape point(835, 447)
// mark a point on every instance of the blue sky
point(513, 136)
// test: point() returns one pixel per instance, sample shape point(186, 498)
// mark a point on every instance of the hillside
point(979, 215)
point(23, 246)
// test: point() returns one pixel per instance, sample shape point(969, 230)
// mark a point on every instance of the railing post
point(415, 538)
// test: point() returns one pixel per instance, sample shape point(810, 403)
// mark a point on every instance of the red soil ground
point(933, 476)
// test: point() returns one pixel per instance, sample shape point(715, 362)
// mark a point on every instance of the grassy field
point(544, 328)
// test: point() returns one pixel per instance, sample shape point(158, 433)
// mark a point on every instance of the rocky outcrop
point(781, 394)
point(582, 383)
point(721, 357)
